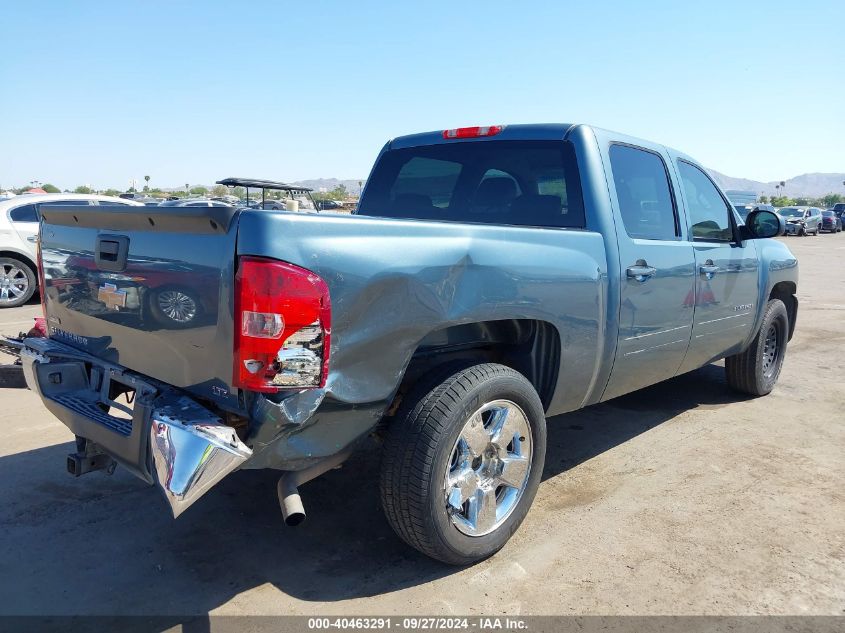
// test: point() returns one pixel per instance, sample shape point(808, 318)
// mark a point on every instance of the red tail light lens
point(282, 328)
point(473, 132)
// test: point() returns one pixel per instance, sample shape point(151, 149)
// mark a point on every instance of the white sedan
point(19, 218)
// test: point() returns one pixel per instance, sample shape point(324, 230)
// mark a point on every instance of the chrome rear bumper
point(165, 438)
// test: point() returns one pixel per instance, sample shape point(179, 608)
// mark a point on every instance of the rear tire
point(17, 282)
point(463, 461)
point(755, 371)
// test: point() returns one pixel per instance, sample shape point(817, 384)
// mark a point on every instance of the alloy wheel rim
point(489, 467)
point(14, 283)
point(177, 306)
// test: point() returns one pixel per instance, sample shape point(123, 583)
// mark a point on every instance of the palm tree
point(147, 178)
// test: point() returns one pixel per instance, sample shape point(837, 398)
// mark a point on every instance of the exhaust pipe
point(290, 502)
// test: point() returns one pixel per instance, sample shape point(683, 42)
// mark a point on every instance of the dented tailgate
point(145, 288)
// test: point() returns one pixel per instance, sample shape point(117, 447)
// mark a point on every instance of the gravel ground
point(680, 499)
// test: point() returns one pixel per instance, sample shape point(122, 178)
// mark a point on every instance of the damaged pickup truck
point(492, 277)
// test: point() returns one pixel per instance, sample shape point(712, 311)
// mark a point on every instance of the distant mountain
point(805, 185)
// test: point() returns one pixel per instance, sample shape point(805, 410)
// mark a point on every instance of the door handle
point(31, 238)
point(708, 269)
point(640, 271)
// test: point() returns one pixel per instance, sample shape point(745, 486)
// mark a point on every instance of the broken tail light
point(282, 327)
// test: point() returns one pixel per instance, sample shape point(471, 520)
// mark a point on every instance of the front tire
point(17, 282)
point(463, 461)
point(755, 371)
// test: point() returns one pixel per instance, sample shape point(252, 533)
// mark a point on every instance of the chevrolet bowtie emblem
point(112, 297)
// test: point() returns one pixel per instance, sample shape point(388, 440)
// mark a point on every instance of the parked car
point(493, 277)
point(802, 220)
point(329, 205)
point(303, 204)
point(19, 218)
point(831, 222)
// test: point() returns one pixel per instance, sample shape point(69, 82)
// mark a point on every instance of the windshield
point(528, 183)
point(792, 212)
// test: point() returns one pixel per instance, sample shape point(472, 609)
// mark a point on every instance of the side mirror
point(761, 224)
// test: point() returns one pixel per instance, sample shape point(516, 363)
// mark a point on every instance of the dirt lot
point(681, 499)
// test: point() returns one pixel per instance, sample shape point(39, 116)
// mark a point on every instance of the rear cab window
point(523, 183)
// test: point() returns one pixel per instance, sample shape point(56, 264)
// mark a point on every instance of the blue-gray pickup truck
point(491, 277)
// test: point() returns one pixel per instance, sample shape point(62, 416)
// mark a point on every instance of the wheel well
point(785, 291)
point(529, 346)
point(21, 257)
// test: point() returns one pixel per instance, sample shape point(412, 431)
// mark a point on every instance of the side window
point(708, 211)
point(644, 193)
point(26, 213)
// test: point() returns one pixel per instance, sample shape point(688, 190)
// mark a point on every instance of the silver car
point(802, 220)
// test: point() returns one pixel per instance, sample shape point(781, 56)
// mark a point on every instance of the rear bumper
point(169, 440)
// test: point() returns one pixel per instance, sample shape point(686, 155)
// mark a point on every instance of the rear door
point(656, 268)
point(727, 275)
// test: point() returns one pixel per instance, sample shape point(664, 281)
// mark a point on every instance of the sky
point(99, 93)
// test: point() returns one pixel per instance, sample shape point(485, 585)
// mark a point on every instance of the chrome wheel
point(489, 468)
point(771, 350)
point(177, 306)
point(14, 283)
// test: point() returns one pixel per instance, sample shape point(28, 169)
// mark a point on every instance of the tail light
point(282, 326)
point(473, 132)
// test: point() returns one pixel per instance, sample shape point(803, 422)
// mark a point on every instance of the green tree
point(338, 193)
point(51, 188)
point(82, 189)
point(147, 186)
point(831, 199)
point(219, 191)
point(199, 191)
point(239, 192)
point(111, 192)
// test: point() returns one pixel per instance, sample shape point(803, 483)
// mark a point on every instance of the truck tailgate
point(145, 288)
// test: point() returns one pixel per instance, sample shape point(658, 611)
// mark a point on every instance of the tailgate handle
point(111, 252)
